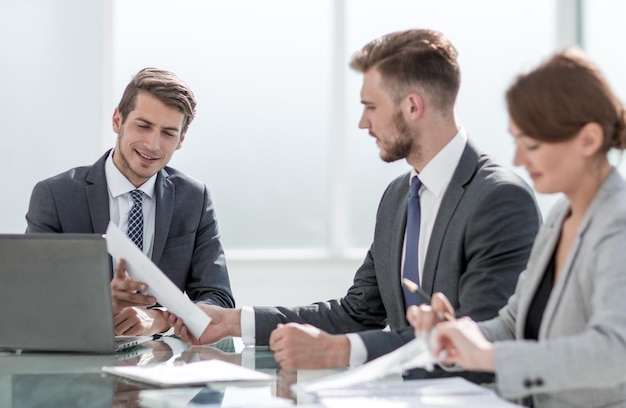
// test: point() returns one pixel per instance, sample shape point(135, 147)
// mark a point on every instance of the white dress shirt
point(121, 202)
point(435, 177)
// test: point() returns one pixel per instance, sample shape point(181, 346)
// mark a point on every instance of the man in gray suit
point(478, 219)
point(175, 215)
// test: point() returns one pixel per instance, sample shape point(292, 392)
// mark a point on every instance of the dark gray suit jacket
point(480, 242)
point(186, 237)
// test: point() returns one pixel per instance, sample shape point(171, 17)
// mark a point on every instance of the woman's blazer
point(580, 357)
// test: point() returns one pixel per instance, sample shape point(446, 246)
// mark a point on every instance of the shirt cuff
point(169, 331)
point(248, 358)
point(248, 327)
point(358, 352)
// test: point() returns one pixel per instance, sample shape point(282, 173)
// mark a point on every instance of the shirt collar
point(437, 173)
point(118, 183)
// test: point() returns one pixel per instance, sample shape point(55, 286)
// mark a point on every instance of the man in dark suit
point(175, 220)
point(478, 220)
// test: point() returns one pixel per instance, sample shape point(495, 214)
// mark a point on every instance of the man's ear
point(117, 120)
point(591, 139)
point(180, 141)
point(414, 106)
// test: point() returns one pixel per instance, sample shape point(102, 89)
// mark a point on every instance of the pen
point(415, 288)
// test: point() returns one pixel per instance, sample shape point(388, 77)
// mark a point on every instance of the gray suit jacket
point(580, 358)
point(480, 243)
point(186, 237)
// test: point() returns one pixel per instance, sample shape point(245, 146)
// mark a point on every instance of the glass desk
point(41, 380)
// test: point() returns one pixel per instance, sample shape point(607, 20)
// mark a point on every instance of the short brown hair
point(163, 85)
point(554, 101)
point(414, 57)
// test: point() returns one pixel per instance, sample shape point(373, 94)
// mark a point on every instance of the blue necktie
point(413, 218)
point(135, 219)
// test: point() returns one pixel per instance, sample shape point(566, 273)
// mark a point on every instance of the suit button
point(539, 382)
point(528, 383)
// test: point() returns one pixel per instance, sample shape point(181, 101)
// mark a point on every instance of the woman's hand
point(462, 343)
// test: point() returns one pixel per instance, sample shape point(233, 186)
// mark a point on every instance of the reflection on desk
point(31, 379)
point(41, 380)
point(214, 396)
point(59, 390)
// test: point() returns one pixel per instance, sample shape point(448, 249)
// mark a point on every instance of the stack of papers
point(193, 374)
point(440, 392)
point(430, 387)
point(362, 386)
point(414, 354)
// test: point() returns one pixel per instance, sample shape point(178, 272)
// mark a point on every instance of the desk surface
point(41, 380)
point(75, 380)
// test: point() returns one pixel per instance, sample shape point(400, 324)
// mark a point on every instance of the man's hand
point(307, 347)
point(127, 292)
point(224, 323)
point(135, 321)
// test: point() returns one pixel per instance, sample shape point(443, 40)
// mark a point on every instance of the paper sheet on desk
point(414, 354)
point(196, 373)
point(409, 388)
point(436, 392)
point(160, 286)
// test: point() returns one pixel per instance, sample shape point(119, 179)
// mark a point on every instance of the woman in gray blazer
point(561, 339)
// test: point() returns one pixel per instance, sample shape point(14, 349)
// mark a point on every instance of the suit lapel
point(568, 268)
point(165, 194)
point(396, 250)
point(555, 295)
point(452, 196)
point(97, 195)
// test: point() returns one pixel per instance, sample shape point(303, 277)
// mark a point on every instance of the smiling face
point(553, 167)
point(147, 138)
point(384, 120)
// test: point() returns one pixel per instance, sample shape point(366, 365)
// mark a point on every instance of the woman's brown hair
point(554, 101)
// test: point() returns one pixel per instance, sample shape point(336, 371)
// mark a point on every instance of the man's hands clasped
point(130, 313)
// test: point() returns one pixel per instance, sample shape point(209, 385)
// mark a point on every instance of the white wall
point(290, 282)
point(277, 111)
point(50, 99)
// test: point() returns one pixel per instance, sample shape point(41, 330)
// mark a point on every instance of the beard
point(402, 144)
point(125, 165)
point(124, 161)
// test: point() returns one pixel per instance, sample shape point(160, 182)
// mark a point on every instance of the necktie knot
point(416, 184)
point(137, 196)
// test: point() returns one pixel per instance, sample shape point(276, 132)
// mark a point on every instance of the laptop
point(55, 294)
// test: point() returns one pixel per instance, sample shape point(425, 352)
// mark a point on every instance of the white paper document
point(414, 354)
point(142, 269)
point(438, 392)
point(197, 373)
